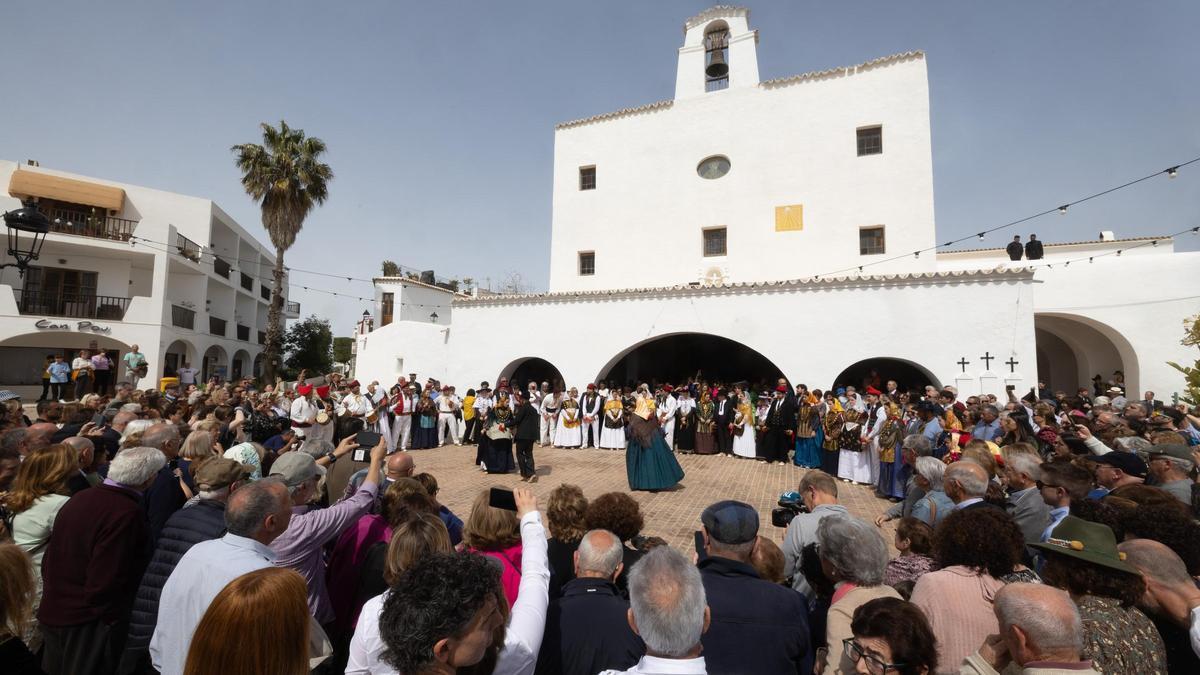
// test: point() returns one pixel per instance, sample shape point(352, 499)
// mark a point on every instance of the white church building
point(747, 228)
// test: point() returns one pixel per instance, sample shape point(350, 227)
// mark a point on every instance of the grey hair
point(992, 409)
point(854, 548)
point(1030, 465)
point(159, 434)
point(1134, 444)
point(132, 408)
point(136, 426)
point(931, 469)
point(1047, 616)
point(317, 447)
point(250, 505)
point(601, 558)
point(13, 438)
point(135, 466)
point(918, 444)
point(1156, 561)
point(668, 602)
point(973, 485)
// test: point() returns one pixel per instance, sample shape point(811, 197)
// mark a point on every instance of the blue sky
point(439, 116)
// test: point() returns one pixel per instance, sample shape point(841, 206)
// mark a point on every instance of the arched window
point(716, 56)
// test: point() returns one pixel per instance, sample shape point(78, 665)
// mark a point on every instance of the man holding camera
point(820, 494)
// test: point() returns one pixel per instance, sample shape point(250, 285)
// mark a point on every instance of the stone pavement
point(673, 515)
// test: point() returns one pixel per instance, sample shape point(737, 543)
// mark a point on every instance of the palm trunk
point(273, 360)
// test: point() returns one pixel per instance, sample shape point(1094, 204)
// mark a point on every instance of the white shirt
point(653, 665)
point(187, 375)
point(1194, 630)
point(448, 404)
point(303, 412)
point(81, 363)
point(526, 622)
point(356, 404)
point(482, 405)
point(201, 574)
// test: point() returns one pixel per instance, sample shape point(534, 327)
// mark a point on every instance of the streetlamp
point(433, 317)
point(27, 228)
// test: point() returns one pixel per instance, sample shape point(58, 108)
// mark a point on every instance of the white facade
point(126, 265)
point(971, 319)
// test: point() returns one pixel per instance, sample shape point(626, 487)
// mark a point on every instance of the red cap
point(353, 384)
point(668, 388)
point(591, 386)
point(323, 392)
point(781, 388)
point(872, 391)
point(303, 389)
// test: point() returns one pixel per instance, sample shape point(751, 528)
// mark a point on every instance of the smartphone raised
point(701, 554)
point(98, 420)
point(361, 454)
point(367, 439)
point(502, 499)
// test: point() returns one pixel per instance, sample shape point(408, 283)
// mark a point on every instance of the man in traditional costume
point(665, 409)
point(352, 412)
point(873, 421)
point(781, 423)
point(726, 408)
point(589, 412)
point(548, 411)
point(303, 412)
point(378, 420)
point(402, 408)
point(448, 408)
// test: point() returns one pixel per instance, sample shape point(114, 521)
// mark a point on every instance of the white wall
point(789, 142)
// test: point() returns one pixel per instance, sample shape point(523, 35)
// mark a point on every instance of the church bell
point(717, 68)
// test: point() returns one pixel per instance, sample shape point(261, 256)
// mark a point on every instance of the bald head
point(965, 480)
point(1157, 563)
point(84, 447)
point(164, 437)
point(400, 465)
point(1039, 623)
point(39, 435)
point(599, 555)
point(121, 420)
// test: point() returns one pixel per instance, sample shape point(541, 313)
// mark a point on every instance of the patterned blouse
point(907, 568)
point(1120, 640)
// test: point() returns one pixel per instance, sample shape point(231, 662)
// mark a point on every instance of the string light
point(980, 236)
point(1062, 210)
point(1173, 172)
point(916, 254)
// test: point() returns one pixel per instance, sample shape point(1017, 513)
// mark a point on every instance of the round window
point(713, 167)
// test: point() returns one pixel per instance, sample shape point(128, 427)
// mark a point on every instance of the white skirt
point(855, 466)
point(612, 438)
point(743, 446)
point(566, 437)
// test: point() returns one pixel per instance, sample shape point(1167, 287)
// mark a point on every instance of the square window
point(587, 263)
point(714, 241)
point(870, 141)
point(587, 178)
point(870, 240)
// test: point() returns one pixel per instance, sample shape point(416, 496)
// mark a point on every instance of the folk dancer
point(352, 412)
point(852, 457)
point(303, 412)
point(499, 430)
point(612, 436)
point(761, 411)
point(568, 435)
point(548, 412)
point(404, 404)
point(649, 463)
point(726, 408)
point(483, 407)
point(831, 424)
point(706, 424)
point(666, 406)
point(685, 421)
point(379, 406)
point(808, 429)
point(893, 472)
point(781, 427)
point(742, 430)
point(590, 413)
point(448, 408)
point(535, 395)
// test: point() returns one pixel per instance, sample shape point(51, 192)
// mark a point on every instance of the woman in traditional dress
point(706, 413)
point(649, 463)
point(424, 433)
point(612, 432)
point(743, 430)
point(498, 456)
point(808, 429)
point(685, 422)
point(831, 424)
point(854, 461)
point(760, 420)
point(569, 433)
point(893, 472)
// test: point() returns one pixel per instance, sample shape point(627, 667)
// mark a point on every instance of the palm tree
point(286, 176)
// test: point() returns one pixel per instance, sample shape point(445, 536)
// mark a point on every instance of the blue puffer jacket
point(186, 527)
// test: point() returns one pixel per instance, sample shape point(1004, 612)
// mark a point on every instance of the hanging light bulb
point(1118, 253)
point(1091, 259)
point(1067, 264)
point(980, 236)
point(916, 254)
point(1062, 210)
point(1172, 172)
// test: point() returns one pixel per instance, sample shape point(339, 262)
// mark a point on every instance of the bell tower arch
point(719, 52)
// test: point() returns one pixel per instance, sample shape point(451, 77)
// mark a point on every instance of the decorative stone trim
point(623, 112)
point(715, 12)
point(843, 71)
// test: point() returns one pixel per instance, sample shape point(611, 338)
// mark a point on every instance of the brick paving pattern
point(673, 515)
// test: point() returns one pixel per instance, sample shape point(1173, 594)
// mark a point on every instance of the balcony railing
point(182, 317)
point(73, 304)
point(221, 267)
point(264, 292)
point(292, 307)
point(96, 225)
point(187, 248)
point(243, 333)
point(216, 326)
point(262, 337)
point(247, 281)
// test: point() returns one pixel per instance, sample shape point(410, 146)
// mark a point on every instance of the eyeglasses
point(875, 666)
point(1041, 485)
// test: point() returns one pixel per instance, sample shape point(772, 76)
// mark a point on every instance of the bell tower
point(718, 52)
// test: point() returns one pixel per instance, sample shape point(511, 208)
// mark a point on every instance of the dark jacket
point(185, 528)
point(756, 626)
point(525, 423)
point(587, 631)
point(163, 499)
point(1015, 250)
point(1033, 250)
point(95, 559)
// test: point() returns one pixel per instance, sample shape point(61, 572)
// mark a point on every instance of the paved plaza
point(673, 515)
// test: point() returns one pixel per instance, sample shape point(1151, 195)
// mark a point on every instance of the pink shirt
point(510, 562)
point(345, 565)
point(958, 603)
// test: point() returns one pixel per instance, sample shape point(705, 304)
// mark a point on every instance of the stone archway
point(674, 357)
point(1072, 350)
point(522, 371)
point(215, 362)
point(909, 375)
point(179, 352)
point(241, 365)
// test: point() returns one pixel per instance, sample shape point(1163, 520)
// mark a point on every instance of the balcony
point(93, 224)
point(73, 304)
point(247, 281)
point(243, 333)
point(216, 326)
point(221, 267)
point(292, 308)
point(182, 317)
point(187, 248)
